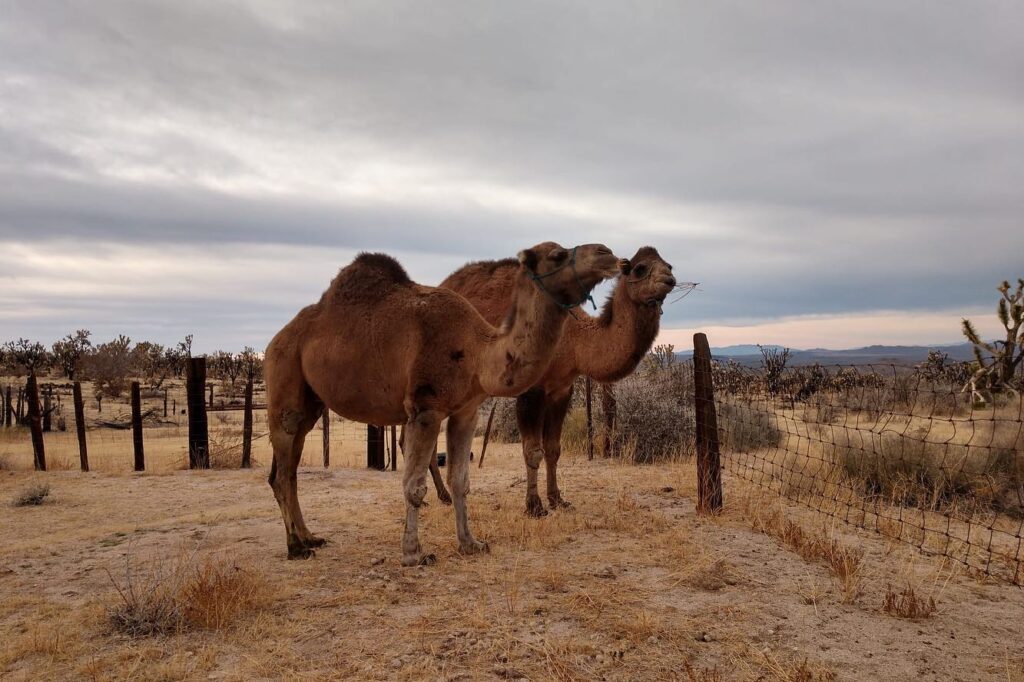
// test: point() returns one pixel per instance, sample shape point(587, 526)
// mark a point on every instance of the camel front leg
point(554, 419)
point(530, 416)
point(460, 440)
point(420, 440)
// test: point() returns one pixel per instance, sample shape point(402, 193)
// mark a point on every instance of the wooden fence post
point(19, 413)
point(487, 433)
point(35, 423)
point(246, 426)
point(165, 403)
point(375, 447)
point(211, 394)
point(326, 420)
point(9, 409)
point(394, 446)
point(709, 466)
point(198, 429)
point(83, 453)
point(590, 418)
point(610, 408)
point(140, 455)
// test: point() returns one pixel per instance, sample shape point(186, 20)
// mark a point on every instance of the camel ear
point(625, 266)
point(528, 257)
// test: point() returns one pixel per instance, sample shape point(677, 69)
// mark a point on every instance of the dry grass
point(169, 594)
point(32, 496)
point(843, 561)
point(907, 604)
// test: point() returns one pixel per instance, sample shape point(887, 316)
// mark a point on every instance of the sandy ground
point(630, 584)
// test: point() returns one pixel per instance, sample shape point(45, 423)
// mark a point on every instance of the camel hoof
point(301, 553)
point(535, 508)
point(419, 560)
point(559, 503)
point(314, 541)
point(475, 547)
point(445, 498)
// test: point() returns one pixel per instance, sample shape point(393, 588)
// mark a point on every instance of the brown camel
point(381, 349)
point(606, 348)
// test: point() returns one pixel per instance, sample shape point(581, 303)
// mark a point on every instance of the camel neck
point(611, 346)
point(520, 353)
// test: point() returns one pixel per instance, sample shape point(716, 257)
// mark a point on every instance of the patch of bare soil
point(629, 584)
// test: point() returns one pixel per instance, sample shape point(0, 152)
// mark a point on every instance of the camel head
point(647, 277)
point(568, 275)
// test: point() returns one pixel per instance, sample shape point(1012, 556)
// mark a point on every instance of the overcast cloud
point(175, 167)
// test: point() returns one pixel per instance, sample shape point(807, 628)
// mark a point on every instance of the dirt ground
point(630, 584)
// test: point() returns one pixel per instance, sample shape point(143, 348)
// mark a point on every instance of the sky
point(833, 174)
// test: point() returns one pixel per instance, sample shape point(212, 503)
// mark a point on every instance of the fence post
point(325, 418)
point(198, 433)
point(610, 408)
point(487, 433)
point(590, 418)
point(246, 426)
point(9, 409)
point(709, 467)
point(375, 447)
point(211, 394)
point(165, 403)
point(35, 423)
point(19, 414)
point(83, 453)
point(394, 445)
point(140, 455)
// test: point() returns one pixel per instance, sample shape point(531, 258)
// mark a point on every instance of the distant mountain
point(748, 354)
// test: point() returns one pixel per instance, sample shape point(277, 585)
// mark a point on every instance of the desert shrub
point(743, 427)
point(654, 419)
point(574, 432)
point(172, 594)
point(907, 469)
point(32, 496)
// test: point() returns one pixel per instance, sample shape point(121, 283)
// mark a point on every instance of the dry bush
point(907, 604)
point(909, 470)
point(654, 410)
point(32, 496)
point(172, 594)
point(225, 448)
point(744, 428)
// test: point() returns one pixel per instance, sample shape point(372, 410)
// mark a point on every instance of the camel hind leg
point(420, 440)
point(460, 440)
point(530, 418)
point(554, 419)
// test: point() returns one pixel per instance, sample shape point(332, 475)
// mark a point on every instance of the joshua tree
point(252, 365)
point(69, 351)
point(110, 366)
point(27, 354)
point(773, 362)
point(996, 371)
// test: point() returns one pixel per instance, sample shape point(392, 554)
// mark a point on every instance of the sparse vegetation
point(907, 604)
point(32, 496)
point(165, 595)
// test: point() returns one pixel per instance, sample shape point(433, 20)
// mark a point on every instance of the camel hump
point(368, 277)
point(478, 272)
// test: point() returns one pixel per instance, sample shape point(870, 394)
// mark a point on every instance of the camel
point(606, 348)
point(381, 349)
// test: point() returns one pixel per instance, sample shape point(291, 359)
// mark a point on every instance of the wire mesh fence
point(887, 448)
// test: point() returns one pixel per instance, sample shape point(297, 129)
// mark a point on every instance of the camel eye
point(558, 255)
point(639, 270)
